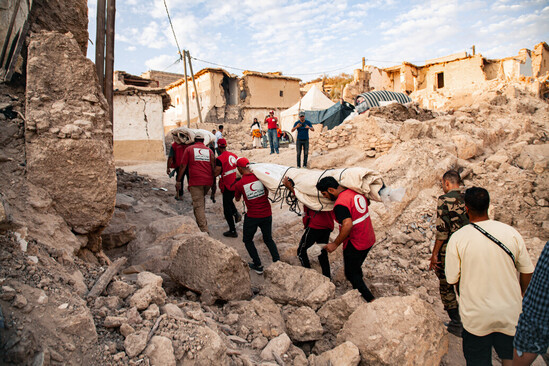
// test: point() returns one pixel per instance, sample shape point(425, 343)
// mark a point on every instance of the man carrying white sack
point(318, 227)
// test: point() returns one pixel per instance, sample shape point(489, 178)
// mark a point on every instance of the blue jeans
point(299, 145)
point(273, 140)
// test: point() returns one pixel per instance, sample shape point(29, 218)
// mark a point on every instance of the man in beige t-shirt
point(490, 296)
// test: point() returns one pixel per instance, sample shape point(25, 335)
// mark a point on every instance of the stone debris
point(302, 324)
point(346, 354)
point(396, 331)
point(334, 313)
point(276, 347)
point(287, 284)
point(160, 352)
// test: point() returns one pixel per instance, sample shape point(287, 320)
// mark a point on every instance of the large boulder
point(261, 317)
point(287, 284)
point(396, 331)
point(204, 264)
point(346, 354)
point(335, 312)
point(303, 324)
point(68, 133)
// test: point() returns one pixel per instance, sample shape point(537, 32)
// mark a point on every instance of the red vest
point(362, 234)
point(228, 173)
point(198, 159)
point(178, 149)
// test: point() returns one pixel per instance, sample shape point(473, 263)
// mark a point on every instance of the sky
point(308, 39)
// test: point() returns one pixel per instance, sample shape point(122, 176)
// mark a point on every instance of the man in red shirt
point(318, 227)
point(355, 230)
point(225, 165)
point(200, 161)
point(175, 158)
point(259, 214)
point(272, 125)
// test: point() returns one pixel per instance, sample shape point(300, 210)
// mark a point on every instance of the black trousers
point(250, 227)
point(229, 209)
point(310, 237)
point(352, 260)
point(302, 145)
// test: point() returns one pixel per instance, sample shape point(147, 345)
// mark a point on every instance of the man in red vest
point(355, 230)
point(200, 161)
point(259, 214)
point(175, 158)
point(225, 165)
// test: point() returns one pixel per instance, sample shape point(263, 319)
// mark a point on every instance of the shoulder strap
point(491, 237)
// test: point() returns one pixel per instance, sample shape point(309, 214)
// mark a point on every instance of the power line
point(173, 31)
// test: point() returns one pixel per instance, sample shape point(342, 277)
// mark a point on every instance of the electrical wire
point(173, 31)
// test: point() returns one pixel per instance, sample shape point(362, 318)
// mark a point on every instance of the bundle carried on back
point(362, 180)
point(184, 135)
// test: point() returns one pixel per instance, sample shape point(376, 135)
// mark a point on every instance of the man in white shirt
point(218, 135)
point(485, 273)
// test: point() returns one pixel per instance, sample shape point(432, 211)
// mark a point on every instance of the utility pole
point(186, 90)
point(195, 88)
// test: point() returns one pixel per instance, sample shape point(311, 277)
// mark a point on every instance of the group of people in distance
point(476, 259)
point(479, 258)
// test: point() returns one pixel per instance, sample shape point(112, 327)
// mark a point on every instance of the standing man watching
point(218, 135)
point(482, 259)
point(302, 142)
point(272, 125)
point(355, 230)
point(532, 337)
point(259, 214)
point(451, 217)
point(200, 161)
point(225, 165)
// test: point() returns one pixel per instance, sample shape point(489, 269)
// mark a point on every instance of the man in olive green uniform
point(451, 216)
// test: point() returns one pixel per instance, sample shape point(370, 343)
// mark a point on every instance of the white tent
point(314, 100)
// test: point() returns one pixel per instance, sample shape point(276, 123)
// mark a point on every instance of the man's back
point(490, 294)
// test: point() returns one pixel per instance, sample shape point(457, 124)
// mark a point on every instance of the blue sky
point(309, 38)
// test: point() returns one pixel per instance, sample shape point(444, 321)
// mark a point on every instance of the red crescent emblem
point(252, 187)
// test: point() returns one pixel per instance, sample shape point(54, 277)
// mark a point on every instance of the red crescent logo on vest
point(252, 187)
point(232, 160)
point(360, 203)
point(204, 152)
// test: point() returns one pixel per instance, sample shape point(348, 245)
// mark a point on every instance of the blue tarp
point(332, 116)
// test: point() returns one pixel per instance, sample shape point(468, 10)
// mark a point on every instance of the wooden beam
point(100, 43)
point(106, 278)
point(109, 60)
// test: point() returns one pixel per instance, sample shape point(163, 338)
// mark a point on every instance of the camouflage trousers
point(447, 292)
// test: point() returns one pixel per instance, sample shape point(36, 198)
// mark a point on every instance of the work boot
point(257, 268)
point(237, 217)
point(230, 234)
point(454, 326)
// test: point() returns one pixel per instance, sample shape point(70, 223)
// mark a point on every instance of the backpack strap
point(491, 237)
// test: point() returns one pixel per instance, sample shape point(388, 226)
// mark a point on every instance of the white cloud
point(160, 62)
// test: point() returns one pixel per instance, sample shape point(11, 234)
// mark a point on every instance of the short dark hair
point(220, 127)
point(325, 183)
point(452, 176)
point(197, 138)
point(477, 200)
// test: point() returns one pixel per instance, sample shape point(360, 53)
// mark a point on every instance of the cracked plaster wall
point(138, 127)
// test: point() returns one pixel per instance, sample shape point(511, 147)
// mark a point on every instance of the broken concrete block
point(287, 284)
point(334, 313)
point(262, 315)
point(303, 324)
point(160, 351)
point(396, 331)
point(202, 263)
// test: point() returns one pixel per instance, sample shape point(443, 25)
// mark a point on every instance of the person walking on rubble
point(256, 134)
point(302, 141)
point(451, 217)
point(218, 135)
point(532, 336)
point(225, 165)
point(175, 157)
point(200, 161)
point(355, 230)
point(258, 214)
point(482, 260)
point(272, 132)
point(318, 227)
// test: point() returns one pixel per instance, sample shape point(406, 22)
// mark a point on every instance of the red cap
point(242, 162)
point(222, 142)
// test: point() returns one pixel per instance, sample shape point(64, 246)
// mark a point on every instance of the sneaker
point(256, 268)
point(230, 234)
point(237, 217)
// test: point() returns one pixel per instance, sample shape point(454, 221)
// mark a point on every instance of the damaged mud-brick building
point(138, 106)
point(456, 74)
point(227, 98)
point(162, 78)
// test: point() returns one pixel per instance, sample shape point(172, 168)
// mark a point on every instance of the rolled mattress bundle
point(184, 135)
